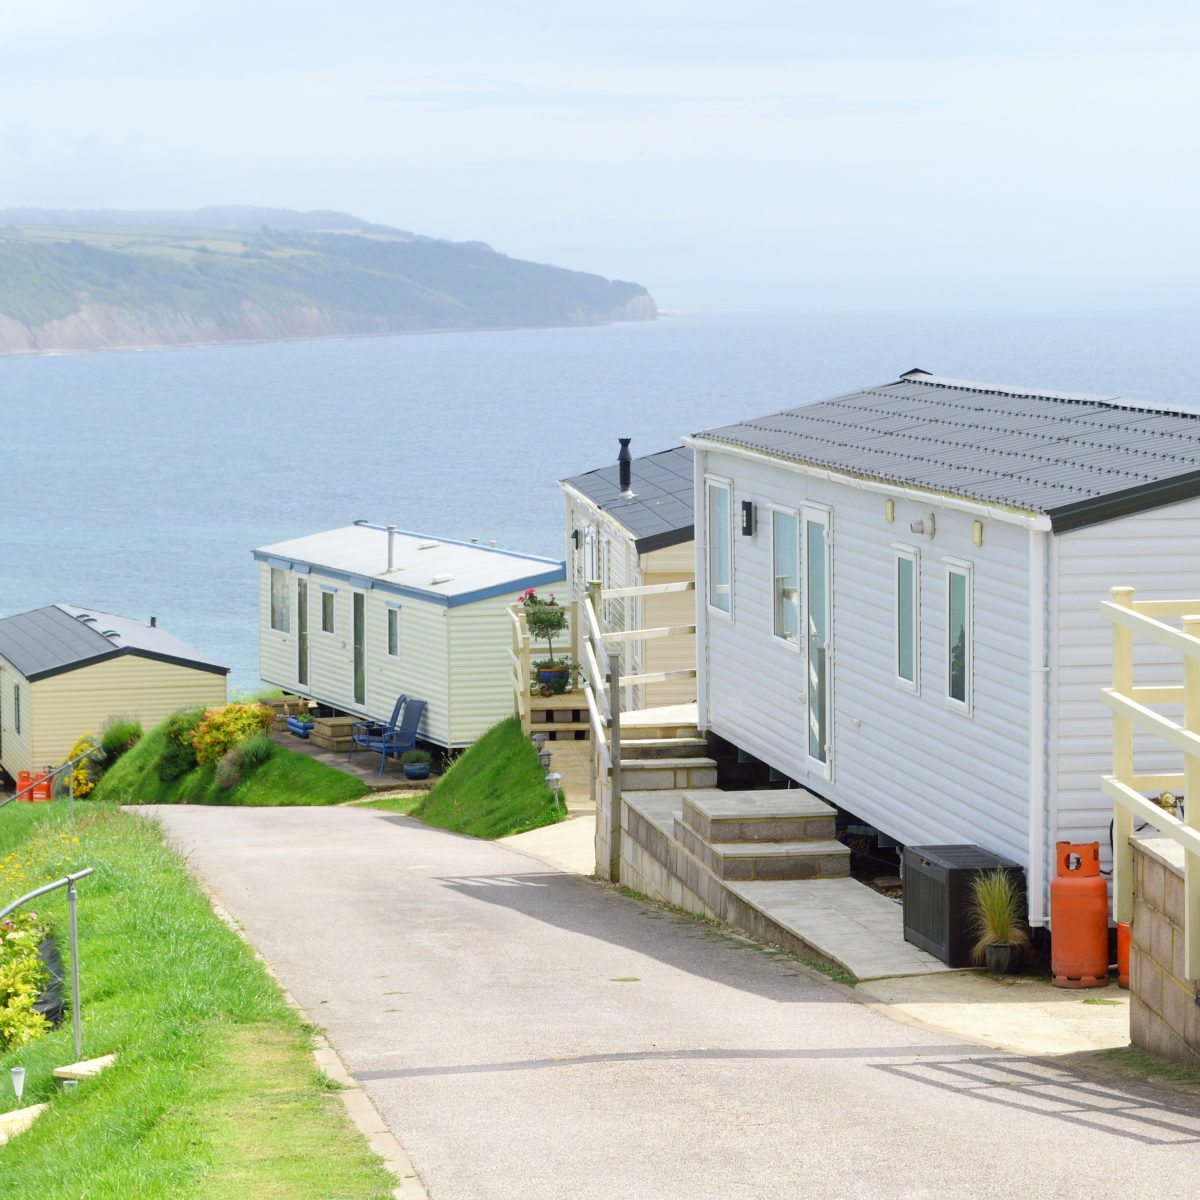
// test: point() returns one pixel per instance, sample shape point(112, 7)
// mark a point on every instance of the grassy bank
point(214, 1095)
point(494, 789)
point(286, 778)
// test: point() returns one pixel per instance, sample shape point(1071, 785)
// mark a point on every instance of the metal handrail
point(97, 749)
point(68, 881)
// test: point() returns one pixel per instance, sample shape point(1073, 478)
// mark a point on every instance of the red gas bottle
point(1079, 918)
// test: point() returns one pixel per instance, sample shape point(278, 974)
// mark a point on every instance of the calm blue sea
point(139, 482)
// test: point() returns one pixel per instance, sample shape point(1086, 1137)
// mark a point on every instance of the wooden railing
point(1130, 706)
point(599, 655)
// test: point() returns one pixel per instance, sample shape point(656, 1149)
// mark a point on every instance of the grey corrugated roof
point(660, 511)
point(47, 641)
point(1078, 459)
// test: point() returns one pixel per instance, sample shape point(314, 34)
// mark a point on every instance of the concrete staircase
point(665, 756)
point(762, 835)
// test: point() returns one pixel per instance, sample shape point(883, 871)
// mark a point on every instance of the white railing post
point(1122, 682)
point(614, 749)
point(524, 669)
point(1191, 800)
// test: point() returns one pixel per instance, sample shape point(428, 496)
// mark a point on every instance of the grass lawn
point(287, 778)
point(215, 1095)
point(494, 789)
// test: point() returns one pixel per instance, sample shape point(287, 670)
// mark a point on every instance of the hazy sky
point(934, 155)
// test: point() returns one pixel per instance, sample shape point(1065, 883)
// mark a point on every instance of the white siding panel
point(16, 750)
point(909, 764)
point(422, 668)
point(480, 669)
point(1158, 554)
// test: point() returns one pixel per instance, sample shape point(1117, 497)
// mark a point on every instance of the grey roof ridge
point(917, 458)
point(968, 385)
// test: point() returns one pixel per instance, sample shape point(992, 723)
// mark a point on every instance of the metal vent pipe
point(391, 530)
point(625, 464)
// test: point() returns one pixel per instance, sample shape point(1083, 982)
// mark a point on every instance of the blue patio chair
point(403, 735)
point(365, 734)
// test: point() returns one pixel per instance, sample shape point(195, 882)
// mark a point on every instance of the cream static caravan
point(357, 616)
point(629, 524)
point(65, 670)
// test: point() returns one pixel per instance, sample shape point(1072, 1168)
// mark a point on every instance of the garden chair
point(403, 735)
point(365, 734)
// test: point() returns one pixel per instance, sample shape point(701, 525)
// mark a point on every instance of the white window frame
point(910, 554)
point(281, 610)
point(792, 644)
point(16, 708)
point(393, 630)
point(722, 483)
point(956, 567)
point(822, 515)
point(331, 592)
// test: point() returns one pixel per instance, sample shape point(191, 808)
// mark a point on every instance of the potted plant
point(545, 619)
point(416, 764)
point(997, 915)
point(301, 725)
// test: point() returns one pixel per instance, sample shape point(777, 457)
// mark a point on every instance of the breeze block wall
point(1164, 1007)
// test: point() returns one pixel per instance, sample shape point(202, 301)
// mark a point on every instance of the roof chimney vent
point(153, 622)
point(624, 464)
point(391, 532)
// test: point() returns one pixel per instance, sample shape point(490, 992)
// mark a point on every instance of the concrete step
point(657, 774)
point(792, 815)
point(642, 747)
point(88, 1069)
point(767, 860)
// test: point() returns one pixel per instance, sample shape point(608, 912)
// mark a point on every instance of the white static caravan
point(65, 670)
point(898, 600)
point(357, 616)
point(630, 524)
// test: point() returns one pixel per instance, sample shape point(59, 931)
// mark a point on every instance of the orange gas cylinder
point(1079, 918)
point(1123, 954)
point(40, 793)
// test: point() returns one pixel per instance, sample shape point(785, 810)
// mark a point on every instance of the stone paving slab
point(760, 805)
point(846, 920)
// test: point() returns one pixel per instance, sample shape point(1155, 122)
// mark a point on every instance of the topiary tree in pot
point(545, 619)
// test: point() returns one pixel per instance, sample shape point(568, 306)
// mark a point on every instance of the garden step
point(682, 747)
point(631, 730)
point(19, 1120)
point(791, 815)
point(767, 860)
point(88, 1069)
point(657, 774)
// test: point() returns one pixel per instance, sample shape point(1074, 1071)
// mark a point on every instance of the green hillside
point(152, 283)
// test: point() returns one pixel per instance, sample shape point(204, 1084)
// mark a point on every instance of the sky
point(931, 156)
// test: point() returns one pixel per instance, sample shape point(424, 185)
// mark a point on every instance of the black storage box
point(937, 894)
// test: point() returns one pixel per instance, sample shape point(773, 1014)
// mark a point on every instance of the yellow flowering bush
point(23, 978)
point(221, 729)
point(85, 774)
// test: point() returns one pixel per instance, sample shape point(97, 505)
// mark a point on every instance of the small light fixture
point(927, 526)
point(18, 1081)
point(889, 511)
point(976, 533)
point(544, 757)
point(747, 518)
point(539, 740)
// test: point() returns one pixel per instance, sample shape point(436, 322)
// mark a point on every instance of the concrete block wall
point(1164, 1006)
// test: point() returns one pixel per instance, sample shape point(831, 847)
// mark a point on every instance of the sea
point(139, 482)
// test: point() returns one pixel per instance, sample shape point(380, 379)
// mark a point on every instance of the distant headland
point(72, 280)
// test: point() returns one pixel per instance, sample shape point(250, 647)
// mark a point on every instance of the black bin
point(937, 893)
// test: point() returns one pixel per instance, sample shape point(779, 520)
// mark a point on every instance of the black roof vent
point(625, 465)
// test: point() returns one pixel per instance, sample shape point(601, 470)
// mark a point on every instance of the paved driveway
point(531, 1035)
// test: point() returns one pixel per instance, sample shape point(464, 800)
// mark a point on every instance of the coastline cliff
point(71, 285)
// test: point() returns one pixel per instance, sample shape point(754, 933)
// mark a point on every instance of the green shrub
point(416, 758)
point(255, 751)
point(220, 729)
point(23, 975)
point(120, 735)
point(179, 754)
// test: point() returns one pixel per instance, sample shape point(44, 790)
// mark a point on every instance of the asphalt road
point(531, 1035)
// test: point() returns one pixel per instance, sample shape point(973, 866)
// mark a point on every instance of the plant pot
point(416, 770)
point(300, 729)
point(1002, 959)
point(555, 679)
